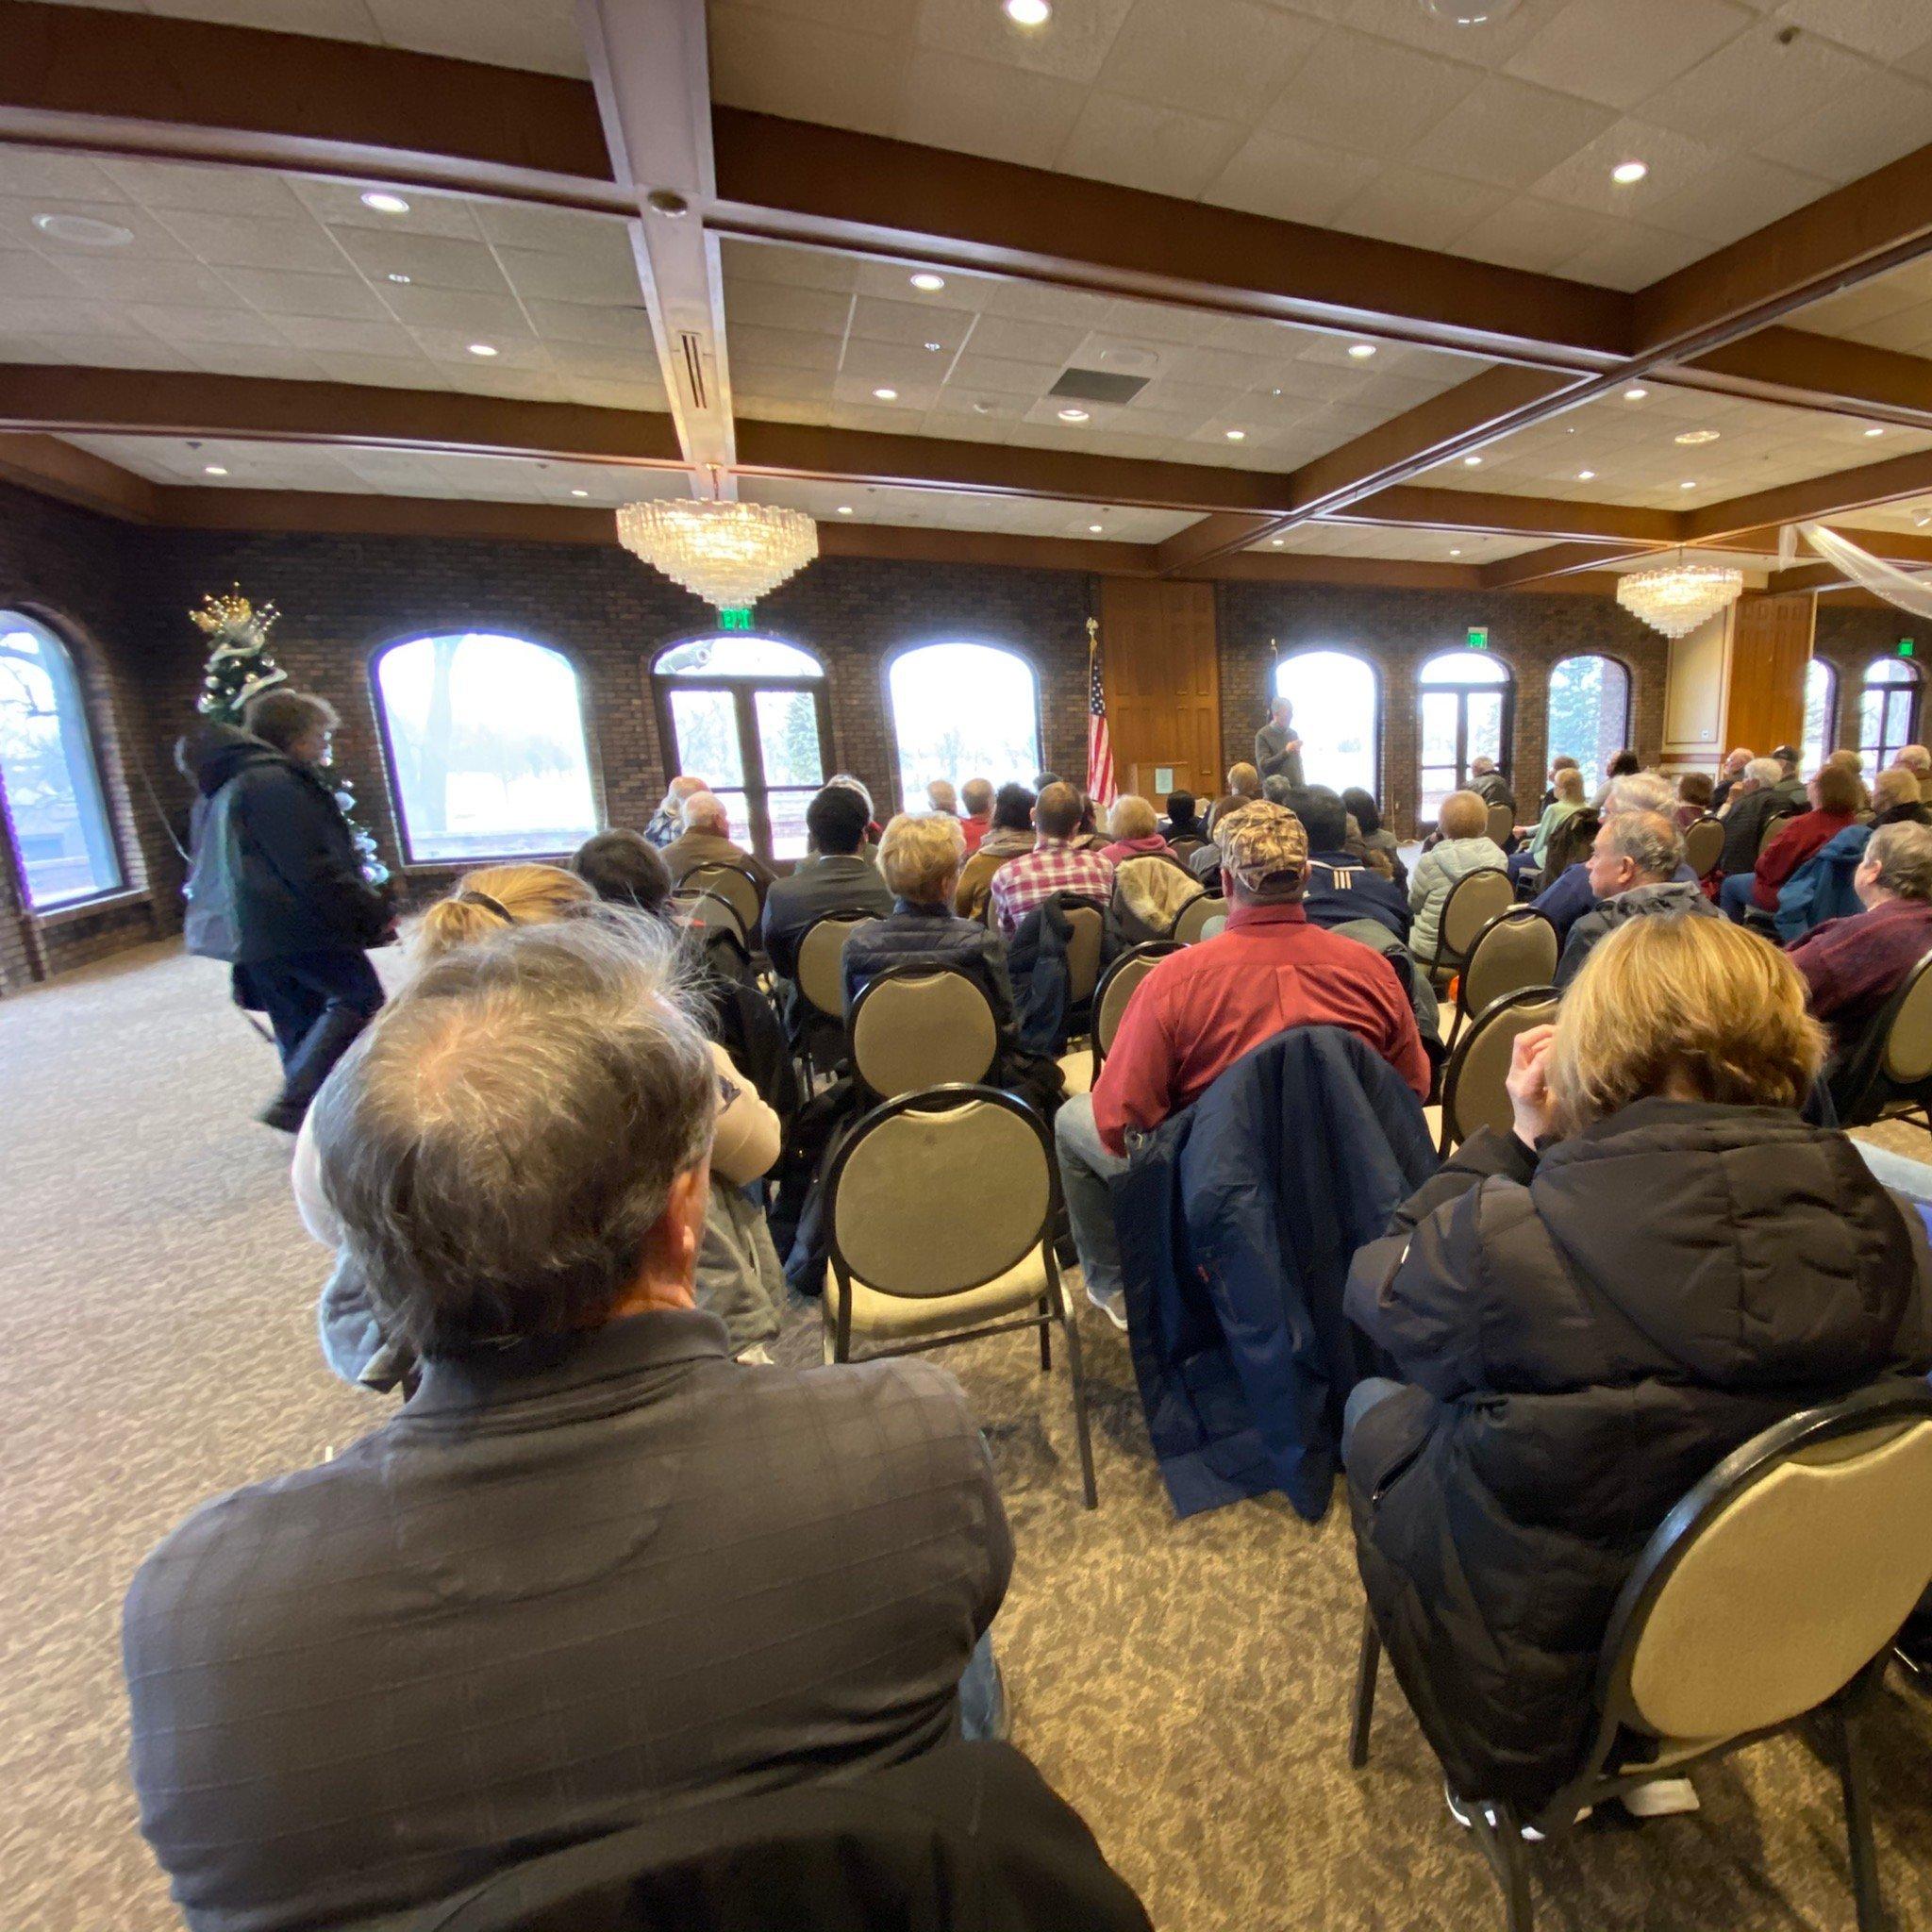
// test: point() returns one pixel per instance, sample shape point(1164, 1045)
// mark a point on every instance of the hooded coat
point(1588, 1333)
point(275, 869)
point(1672, 896)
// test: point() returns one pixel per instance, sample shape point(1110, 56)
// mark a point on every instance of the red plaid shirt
point(1053, 866)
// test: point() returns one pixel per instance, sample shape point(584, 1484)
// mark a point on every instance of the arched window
point(1888, 711)
point(1465, 705)
point(486, 743)
point(962, 712)
point(748, 715)
point(1821, 707)
point(1589, 713)
point(54, 796)
point(1337, 714)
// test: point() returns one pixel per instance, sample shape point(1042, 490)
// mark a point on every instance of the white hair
point(1640, 791)
point(1765, 771)
point(706, 808)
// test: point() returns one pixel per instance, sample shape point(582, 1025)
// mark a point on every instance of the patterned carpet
point(1184, 1685)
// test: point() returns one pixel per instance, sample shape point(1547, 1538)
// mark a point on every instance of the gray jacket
point(1436, 871)
point(1272, 757)
point(1639, 902)
point(570, 1586)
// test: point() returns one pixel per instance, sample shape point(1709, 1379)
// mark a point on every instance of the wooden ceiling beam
point(1554, 561)
point(1815, 499)
point(1802, 371)
point(73, 475)
point(1490, 514)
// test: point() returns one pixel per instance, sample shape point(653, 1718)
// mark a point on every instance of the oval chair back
point(1215, 924)
point(1771, 827)
point(821, 961)
point(940, 1214)
point(1502, 824)
point(1116, 987)
point(1516, 949)
point(1906, 1059)
point(1704, 844)
point(1474, 900)
point(1195, 915)
point(1472, 1091)
point(917, 1026)
point(708, 909)
point(1084, 943)
point(737, 886)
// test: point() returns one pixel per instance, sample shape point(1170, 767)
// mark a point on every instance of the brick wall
point(1397, 629)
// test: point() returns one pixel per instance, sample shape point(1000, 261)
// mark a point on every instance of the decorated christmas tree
point(239, 667)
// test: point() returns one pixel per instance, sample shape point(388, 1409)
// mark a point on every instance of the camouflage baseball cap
point(1265, 847)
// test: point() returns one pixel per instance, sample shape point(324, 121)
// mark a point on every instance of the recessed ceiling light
point(1471, 462)
point(929, 281)
point(1692, 438)
point(932, 348)
point(1626, 174)
point(1095, 529)
point(1237, 435)
point(1361, 351)
point(84, 230)
point(385, 203)
point(887, 395)
point(213, 470)
point(1275, 542)
point(1686, 486)
point(1586, 475)
point(580, 492)
point(1455, 553)
point(404, 279)
point(1874, 430)
point(1274, 391)
point(1074, 416)
point(982, 408)
point(484, 349)
point(1028, 12)
point(1635, 395)
point(844, 509)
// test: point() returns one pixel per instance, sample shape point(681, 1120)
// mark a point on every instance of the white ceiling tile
point(211, 190)
point(607, 276)
point(452, 348)
point(1633, 256)
point(1222, 60)
point(150, 243)
point(579, 322)
point(113, 352)
point(335, 19)
point(340, 204)
point(948, 100)
point(1883, 29)
point(1858, 132)
point(24, 272)
point(1529, 234)
point(104, 274)
point(1364, 94)
point(249, 242)
point(780, 348)
point(539, 35)
point(464, 310)
point(807, 72)
point(1618, 51)
point(912, 324)
point(1290, 180)
point(1583, 179)
point(905, 366)
point(243, 359)
point(1738, 195)
point(1138, 145)
point(1487, 46)
point(430, 259)
point(277, 293)
point(1752, 86)
point(1427, 210)
point(345, 337)
point(1001, 376)
point(1508, 133)
point(192, 326)
point(386, 372)
point(58, 315)
point(31, 172)
point(776, 304)
point(1074, 46)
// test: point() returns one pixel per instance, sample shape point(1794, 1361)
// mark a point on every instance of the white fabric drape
point(1904, 587)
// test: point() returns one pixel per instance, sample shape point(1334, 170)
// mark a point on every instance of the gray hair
point(1649, 840)
point(1764, 772)
point(706, 808)
point(1915, 757)
point(500, 1143)
point(941, 795)
point(1640, 791)
point(1903, 854)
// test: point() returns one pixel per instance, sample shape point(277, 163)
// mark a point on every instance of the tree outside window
point(1589, 713)
point(962, 712)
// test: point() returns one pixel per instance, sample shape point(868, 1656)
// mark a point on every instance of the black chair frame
point(1447, 961)
point(1516, 913)
point(1147, 949)
point(1452, 1075)
point(1606, 1773)
point(1875, 1097)
point(910, 970)
point(940, 1099)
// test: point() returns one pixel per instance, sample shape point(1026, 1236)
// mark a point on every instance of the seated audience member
point(1834, 794)
point(491, 900)
point(1850, 761)
point(667, 822)
point(1587, 1315)
point(977, 796)
point(859, 785)
point(519, 1156)
point(1693, 799)
point(1852, 965)
point(707, 841)
point(939, 796)
point(1055, 863)
point(1622, 764)
point(1463, 847)
point(624, 868)
point(1133, 831)
point(1728, 774)
point(1009, 835)
point(1199, 1010)
point(1567, 784)
point(1895, 799)
point(1341, 888)
point(1489, 784)
point(1383, 848)
point(1917, 759)
point(1043, 779)
point(1087, 836)
point(1633, 871)
point(1182, 827)
point(1244, 787)
point(1789, 783)
point(1825, 886)
point(840, 881)
point(1566, 898)
point(1561, 762)
point(1753, 798)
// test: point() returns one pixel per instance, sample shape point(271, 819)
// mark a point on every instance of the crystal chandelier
point(1679, 596)
point(729, 554)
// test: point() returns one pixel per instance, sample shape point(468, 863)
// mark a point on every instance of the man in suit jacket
point(593, 1570)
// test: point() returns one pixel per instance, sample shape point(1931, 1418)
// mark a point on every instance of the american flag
point(1100, 784)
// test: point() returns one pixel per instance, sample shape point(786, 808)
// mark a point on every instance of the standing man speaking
point(1277, 748)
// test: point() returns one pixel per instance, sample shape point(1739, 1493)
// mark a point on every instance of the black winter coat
point(1588, 1334)
point(275, 869)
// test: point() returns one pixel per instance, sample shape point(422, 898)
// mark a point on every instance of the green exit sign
point(1479, 636)
point(1906, 647)
point(735, 619)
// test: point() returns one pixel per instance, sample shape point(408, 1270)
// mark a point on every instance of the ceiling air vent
point(691, 352)
point(1098, 385)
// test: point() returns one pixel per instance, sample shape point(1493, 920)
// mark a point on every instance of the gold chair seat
point(1076, 1068)
point(906, 1318)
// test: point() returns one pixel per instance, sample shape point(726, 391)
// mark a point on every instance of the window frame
point(931, 643)
point(1913, 683)
point(1503, 687)
point(742, 687)
point(393, 769)
point(64, 666)
point(1378, 735)
point(1623, 739)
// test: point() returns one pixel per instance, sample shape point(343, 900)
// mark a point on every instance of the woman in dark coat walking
point(1587, 1315)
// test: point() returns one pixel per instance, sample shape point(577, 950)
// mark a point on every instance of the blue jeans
point(1086, 1166)
point(982, 1697)
point(1361, 1398)
point(1734, 895)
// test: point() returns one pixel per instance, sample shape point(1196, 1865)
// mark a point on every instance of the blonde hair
point(494, 898)
point(1131, 817)
point(1895, 785)
point(1569, 784)
point(920, 854)
point(1464, 815)
point(1244, 780)
point(1696, 1001)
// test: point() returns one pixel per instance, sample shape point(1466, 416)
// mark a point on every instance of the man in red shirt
point(1198, 1011)
point(1056, 864)
point(977, 796)
point(1835, 794)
